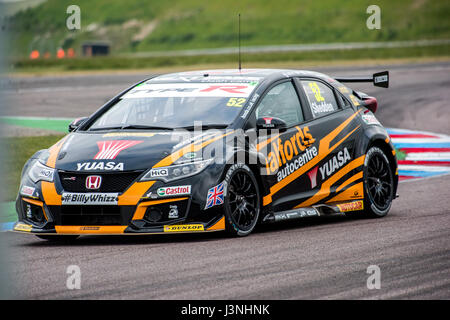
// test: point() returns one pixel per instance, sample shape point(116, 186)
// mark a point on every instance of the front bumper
point(139, 210)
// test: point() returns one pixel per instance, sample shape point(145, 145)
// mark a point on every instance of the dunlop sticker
point(184, 228)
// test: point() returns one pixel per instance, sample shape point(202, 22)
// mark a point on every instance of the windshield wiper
point(144, 127)
point(131, 126)
point(206, 126)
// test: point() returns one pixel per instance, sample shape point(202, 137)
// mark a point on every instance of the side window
point(281, 102)
point(343, 102)
point(320, 97)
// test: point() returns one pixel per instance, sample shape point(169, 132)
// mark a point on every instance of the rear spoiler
point(380, 79)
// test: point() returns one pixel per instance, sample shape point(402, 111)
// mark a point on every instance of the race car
point(213, 150)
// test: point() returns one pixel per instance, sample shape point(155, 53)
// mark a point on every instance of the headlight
point(176, 172)
point(39, 172)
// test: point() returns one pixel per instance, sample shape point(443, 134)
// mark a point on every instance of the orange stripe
point(140, 211)
point(349, 194)
point(325, 188)
point(90, 229)
point(54, 151)
point(219, 225)
point(261, 145)
point(355, 177)
point(134, 193)
point(36, 203)
point(51, 197)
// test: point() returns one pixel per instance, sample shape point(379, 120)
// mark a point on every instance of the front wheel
point(378, 183)
point(242, 203)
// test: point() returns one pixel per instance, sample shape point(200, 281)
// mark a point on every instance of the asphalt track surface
point(325, 258)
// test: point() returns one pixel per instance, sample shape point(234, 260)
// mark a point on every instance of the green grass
point(189, 24)
point(20, 149)
point(264, 59)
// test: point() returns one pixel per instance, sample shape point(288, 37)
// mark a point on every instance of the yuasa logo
point(111, 149)
point(93, 182)
point(100, 166)
point(334, 163)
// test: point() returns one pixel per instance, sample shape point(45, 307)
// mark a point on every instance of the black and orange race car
point(213, 150)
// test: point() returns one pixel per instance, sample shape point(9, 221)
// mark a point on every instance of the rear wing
point(380, 79)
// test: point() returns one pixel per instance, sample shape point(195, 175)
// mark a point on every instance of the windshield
point(176, 105)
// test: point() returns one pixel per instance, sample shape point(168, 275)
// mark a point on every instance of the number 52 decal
point(236, 102)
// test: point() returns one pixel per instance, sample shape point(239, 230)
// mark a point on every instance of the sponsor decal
point(250, 105)
point(23, 227)
point(334, 163)
point(312, 174)
point(173, 213)
point(184, 228)
point(90, 198)
point(295, 214)
point(93, 182)
point(215, 196)
point(100, 166)
point(297, 163)
point(354, 100)
point(109, 150)
point(160, 90)
point(27, 191)
point(369, 118)
point(90, 228)
point(322, 107)
point(379, 79)
point(351, 206)
point(190, 155)
point(174, 191)
point(156, 172)
point(283, 152)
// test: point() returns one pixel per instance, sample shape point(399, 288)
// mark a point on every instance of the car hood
point(116, 151)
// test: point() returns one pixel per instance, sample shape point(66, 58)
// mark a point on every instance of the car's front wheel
point(242, 203)
point(378, 183)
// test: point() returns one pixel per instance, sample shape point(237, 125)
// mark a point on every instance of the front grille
point(111, 182)
point(91, 215)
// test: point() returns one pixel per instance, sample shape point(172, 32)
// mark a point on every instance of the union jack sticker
point(215, 196)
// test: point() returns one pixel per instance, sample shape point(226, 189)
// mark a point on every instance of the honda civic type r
point(213, 150)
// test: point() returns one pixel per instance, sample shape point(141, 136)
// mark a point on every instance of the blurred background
point(134, 34)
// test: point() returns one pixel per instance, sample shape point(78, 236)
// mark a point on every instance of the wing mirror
point(271, 123)
point(75, 124)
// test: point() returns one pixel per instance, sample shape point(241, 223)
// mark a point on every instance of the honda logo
point(93, 182)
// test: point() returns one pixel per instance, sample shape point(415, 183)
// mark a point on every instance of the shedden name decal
point(90, 198)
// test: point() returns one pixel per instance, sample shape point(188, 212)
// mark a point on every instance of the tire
point(242, 203)
point(378, 183)
point(58, 238)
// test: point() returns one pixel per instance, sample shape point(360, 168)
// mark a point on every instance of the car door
point(331, 121)
point(282, 152)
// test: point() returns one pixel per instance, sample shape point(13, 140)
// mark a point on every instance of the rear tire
point(58, 238)
point(378, 183)
point(242, 203)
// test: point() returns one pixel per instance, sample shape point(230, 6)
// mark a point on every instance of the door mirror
point(75, 124)
point(271, 123)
